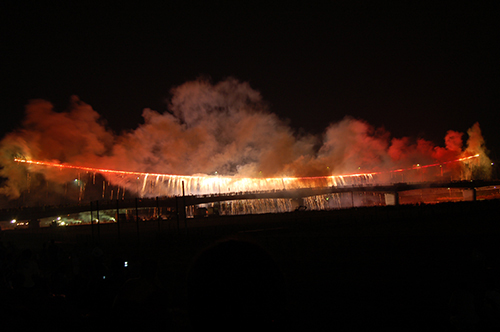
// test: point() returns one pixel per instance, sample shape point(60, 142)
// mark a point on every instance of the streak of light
point(146, 174)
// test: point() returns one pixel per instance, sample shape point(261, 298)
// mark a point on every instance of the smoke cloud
point(224, 128)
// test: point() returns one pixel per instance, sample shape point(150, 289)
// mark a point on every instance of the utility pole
point(184, 206)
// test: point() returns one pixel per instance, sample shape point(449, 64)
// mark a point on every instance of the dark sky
point(414, 70)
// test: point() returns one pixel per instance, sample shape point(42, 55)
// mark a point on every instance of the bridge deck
point(39, 212)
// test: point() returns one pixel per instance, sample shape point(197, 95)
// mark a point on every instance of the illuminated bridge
point(156, 184)
point(468, 190)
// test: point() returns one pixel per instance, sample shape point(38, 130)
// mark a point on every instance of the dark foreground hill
point(410, 268)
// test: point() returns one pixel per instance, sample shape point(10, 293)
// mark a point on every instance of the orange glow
point(169, 184)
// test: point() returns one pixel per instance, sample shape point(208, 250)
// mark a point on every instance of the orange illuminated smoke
point(158, 184)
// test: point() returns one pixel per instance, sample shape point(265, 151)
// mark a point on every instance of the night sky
point(415, 71)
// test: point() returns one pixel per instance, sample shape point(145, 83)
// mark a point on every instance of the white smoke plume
point(224, 128)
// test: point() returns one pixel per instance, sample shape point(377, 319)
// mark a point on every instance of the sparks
point(170, 184)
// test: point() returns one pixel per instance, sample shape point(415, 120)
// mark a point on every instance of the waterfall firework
point(217, 138)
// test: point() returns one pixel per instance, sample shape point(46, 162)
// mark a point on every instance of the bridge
point(177, 202)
